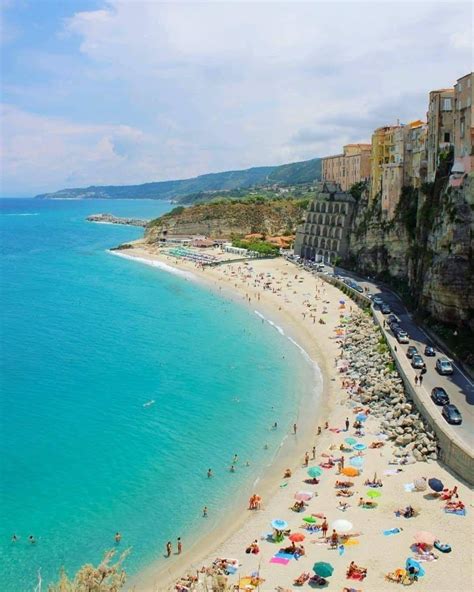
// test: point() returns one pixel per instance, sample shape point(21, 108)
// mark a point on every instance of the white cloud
point(233, 84)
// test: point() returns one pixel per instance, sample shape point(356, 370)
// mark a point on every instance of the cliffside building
point(324, 234)
point(415, 165)
point(440, 118)
point(463, 126)
point(348, 168)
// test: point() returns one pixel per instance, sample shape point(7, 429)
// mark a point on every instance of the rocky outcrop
point(382, 390)
point(225, 220)
point(111, 219)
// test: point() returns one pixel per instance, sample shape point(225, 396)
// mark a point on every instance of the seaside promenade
point(380, 541)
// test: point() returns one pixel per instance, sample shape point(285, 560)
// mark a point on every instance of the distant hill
point(287, 174)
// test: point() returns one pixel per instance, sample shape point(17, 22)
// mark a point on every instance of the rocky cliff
point(223, 220)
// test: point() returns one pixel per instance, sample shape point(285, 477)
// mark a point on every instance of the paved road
point(458, 386)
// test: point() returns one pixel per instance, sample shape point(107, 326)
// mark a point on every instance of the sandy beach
point(310, 312)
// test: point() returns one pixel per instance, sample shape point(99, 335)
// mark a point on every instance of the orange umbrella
point(350, 472)
point(296, 537)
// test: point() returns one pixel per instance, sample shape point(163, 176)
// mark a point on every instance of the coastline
point(319, 342)
point(289, 320)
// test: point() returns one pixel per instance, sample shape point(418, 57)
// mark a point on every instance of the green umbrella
point(373, 493)
point(350, 441)
point(322, 569)
point(314, 472)
point(310, 519)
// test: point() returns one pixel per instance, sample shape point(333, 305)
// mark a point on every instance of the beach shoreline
point(150, 579)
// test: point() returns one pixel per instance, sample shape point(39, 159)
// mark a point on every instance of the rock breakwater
point(111, 219)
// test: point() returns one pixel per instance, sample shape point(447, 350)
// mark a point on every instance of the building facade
point(348, 168)
point(324, 234)
point(440, 119)
point(463, 125)
point(415, 165)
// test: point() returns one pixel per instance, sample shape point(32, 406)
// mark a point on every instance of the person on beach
point(319, 430)
point(294, 428)
point(209, 473)
point(306, 459)
point(180, 545)
point(416, 380)
point(118, 537)
point(326, 425)
point(347, 424)
point(204, 512)
point(313, 451)
point(168, 549)
point(324, 527)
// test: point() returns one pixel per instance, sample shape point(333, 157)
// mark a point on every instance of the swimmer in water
point(209, 473)
point(236, 458)
point(232, 469)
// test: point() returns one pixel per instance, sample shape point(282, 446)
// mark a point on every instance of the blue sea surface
point(88, 338)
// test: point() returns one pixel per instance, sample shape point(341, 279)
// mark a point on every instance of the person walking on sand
point(347, 424)
point(295, 427)
point(324, 527)
point(180, 546)
point(421, 379)
point(306, 459)
point(168, 549)
point(314, 452)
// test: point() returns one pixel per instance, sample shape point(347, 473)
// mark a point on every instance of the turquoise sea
point(87, 338)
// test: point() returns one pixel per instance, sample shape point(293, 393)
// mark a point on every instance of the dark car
point(358, 288)
point(417, 362)
point(440, 396)
point(430, 351)
point(392, 319)
point(444, 366)
point(385, 308)
point(411, 351)
point(452, 414)
point(377, 301)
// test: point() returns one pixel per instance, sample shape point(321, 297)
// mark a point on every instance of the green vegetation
point(407, 208)
point(288, 174)
point(174, 212)
point(358, 189)
point(106, 577)
point(258, 246)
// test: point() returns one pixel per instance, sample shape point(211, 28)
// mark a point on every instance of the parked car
point(444, 366)
point(417, 362)
point(385, 308)
point(452, 414)
point(358, 288)
point(411, 351)
point(440, 396)
point(392, 319)
point(377, 301)
point(430, 351)
point(402, 336)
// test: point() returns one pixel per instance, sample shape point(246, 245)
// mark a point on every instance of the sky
point(97, 92)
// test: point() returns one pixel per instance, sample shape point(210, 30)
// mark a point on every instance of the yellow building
point(385, 151)
point(415, 165)
point(348, 168)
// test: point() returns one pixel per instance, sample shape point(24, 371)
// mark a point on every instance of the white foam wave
point(158, 264)
point(24, 214)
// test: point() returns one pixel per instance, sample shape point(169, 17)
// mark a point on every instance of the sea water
point(87, 340)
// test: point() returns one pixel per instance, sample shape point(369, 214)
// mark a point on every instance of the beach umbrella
point(359, 446)
point(350, 441)
point(361, 416)
point(417, 566)
point(309, 519)
point(342, 526)
point(314, 472)
point(296, 537)
point(342, 301)
point(279, 524)
point(323, 569)
point(303, 496)
point(420, 484)
point(436, 485)
point(356, 461)
point(424, 538)
point(350, 472)
point(373, 493)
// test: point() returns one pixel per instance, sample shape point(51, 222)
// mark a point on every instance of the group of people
point(169, 547)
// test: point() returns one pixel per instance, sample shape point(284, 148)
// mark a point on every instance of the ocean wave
point(157, 264)
point(24, 214)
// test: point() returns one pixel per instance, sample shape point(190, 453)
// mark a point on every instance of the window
point(468, 101)
point(447, 104)
point(462, 127)
point(447, 137)
point(460, 87)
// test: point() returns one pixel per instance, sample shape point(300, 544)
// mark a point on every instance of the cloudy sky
point(129, 91)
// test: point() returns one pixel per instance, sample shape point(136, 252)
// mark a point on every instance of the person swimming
point(149, 403)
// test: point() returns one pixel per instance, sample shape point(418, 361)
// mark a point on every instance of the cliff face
point(425, 252)
point(222, 220)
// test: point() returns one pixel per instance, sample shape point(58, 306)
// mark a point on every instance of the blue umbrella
point(356, 461)
point(420, 572)
point(436, 485)
point(279, 524)
point(361, 417)
point(359, 446)
point(314, 472)
point(350, 441)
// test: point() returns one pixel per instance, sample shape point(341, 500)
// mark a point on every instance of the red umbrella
point(296, 537)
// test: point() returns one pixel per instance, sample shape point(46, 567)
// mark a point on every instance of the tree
point(106, 577)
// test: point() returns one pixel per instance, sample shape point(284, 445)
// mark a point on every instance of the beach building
point(463, 128)
point(440, 118)
point(348, 168)
point(323, 236)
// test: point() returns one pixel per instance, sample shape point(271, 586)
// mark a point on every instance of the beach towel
point(283, 555)
point(458, 512)
point(279, 560)
point(409, 487)
point(392, 531)
point(390, 472)
point(341, 550)
point(335, 430)
point(231, 569)
point(351, 542)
